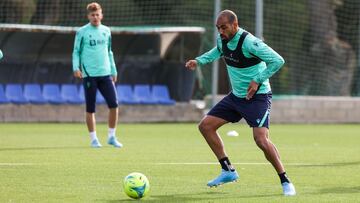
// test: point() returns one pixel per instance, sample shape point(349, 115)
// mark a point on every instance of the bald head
point(229, 15)
point(227, 24)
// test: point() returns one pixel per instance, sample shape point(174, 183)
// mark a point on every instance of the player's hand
point(114, 78)
point(253, 87)
point(77, 74)
point(191, 64)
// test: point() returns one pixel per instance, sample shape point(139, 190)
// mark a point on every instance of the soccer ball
point(136, 185)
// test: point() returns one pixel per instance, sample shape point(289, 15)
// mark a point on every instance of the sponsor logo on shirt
point(230, 58)
point(94, 42)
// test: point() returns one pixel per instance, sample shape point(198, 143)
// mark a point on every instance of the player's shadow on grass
point(331, 164)
point(340, 190)
point(217, 196)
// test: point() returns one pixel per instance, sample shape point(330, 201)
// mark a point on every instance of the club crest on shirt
point(92, 42)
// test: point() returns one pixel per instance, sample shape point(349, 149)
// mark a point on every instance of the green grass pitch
point(54, 163)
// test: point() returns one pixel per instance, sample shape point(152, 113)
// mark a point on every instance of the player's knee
point(262, 142)
point(113, 105)
point(205, 126)
point(201, 127)
point(114, 108)
point(90, 110)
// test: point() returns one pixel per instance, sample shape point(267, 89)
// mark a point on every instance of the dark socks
point(226, 165)
point(284, 178)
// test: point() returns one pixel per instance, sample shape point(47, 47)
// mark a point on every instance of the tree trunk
point(47, 12)
point(16, 11)
point(332, 60)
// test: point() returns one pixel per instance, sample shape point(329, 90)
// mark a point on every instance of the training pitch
point(54, 163)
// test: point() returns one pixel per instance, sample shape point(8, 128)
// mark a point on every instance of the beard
point(224, 38)
point(224, 41)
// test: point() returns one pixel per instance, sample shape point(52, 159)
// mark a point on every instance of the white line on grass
point(17, 164)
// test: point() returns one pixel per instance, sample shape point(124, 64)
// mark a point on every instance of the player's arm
point(76, 54)
point(205, 58)
point(112, 61)
point(265, 53)
point(273, 60)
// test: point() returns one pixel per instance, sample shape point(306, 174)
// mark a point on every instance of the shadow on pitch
point(340, 190)
point(195, 197)
point(330, 164)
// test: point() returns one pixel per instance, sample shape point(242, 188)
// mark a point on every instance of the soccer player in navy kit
point(250, 63)
point(93, 61)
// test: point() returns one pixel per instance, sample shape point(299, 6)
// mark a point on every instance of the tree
point(332, 58)
point(47, 12)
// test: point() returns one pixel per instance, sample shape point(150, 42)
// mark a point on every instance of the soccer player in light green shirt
point(250, 63)
point(1, 54)
point(93, 61)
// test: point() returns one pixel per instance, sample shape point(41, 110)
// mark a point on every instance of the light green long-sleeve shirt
point(92, 51)
point(1, 54)
point(240, 78)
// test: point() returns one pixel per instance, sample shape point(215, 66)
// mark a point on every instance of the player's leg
point(90, 98)
point(257, 114)
point(208, 128)
point(261, 137)
point(107, 89)
point(219, 115)
point(113, 118)
point(90, 122)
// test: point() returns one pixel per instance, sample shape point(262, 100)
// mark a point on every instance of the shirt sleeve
point(111, 58)
point(209, 56)
point(77, 51)
point(273, 60)
point(1, 54)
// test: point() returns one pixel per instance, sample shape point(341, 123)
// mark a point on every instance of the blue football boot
point(113, 141)
point(95, 143)
point(224, 177)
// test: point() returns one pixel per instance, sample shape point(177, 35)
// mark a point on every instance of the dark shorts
point(255, 111)
point(106, 87)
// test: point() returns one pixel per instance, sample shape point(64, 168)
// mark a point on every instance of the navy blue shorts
point(255, 111)
point(106, 87)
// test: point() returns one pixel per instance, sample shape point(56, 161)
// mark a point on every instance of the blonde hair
point(94, 6)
